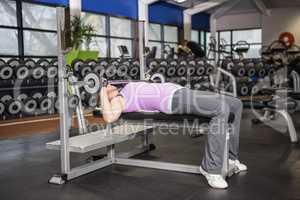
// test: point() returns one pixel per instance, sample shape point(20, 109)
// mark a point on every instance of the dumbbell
point(182, 81)
point(181, 70)
point(99, 70)
point(51, 94)
point(171, 71)
point(54, 62)
point(2, 109)
point(111, 71)
point(91, 62)
point(14, 62)
point(22, 72)
point(122, 70)
point(261, 71)
point(43, 62)
point(30, 106)
point(6, 72)
point(5, 98)
point(91, 101)
point(36, 95)
point(38, 72)
point(2, 62)
point(238, 69)
point(46, 105)
point(29, 63)
point(153, 64)
point(250, 67)
point(84, 70)
point(73, 102)
point(134, 72)
point(76, 65)
point(13, 107)
point(191, 70)
point(243, 89)
point(52, 71)
point(103, 63)
point(21, 97)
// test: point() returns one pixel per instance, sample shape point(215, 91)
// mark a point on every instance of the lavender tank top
point(143, 96)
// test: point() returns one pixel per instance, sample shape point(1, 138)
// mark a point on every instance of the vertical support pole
point(64, 118)
point(141, 49)
point(213, 31)
point(187, 26)
point(75, 8)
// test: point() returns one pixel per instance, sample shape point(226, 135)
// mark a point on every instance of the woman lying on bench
point(170, 98)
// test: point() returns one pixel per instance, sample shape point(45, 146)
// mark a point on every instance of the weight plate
point(191, 71)
point(14, 107)
point(56, 104)
point(200, 62)
point(2, 108)
point(52, 94)
point(22, 72)
point(181, 71)
point(161, 70)
point(43, 62)
point(52, 72)
point(22, 97)
point(158, 78)
point(37, 95)
point(6, 98)
point(183, 62)
point(54, 62)
point(91, 63)
point(6, 72)
point(241, 72)
point(92, 102)
point(46, 104)
point(2, 62)
point(173, 63)
point(73, 101)
point(261, 73)
point(111, 71)
point(38, 72)
point(30, 106)
point(92, 83)
point(84, 70)
point(76, 64)
point(13, 62)
point(244, 90)
point(133, 72)
point(251, 72)
point(163, 63)
point(192, 62)
point(171, 71)
point(209, 70)
point(103, 63)
point(99, 70)
point(153, 64)
point(29, 63)
point(126, 63)
point(122, 70)
point(200, 71)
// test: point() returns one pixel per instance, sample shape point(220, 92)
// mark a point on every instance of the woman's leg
point(236, 107)
point(207, 104)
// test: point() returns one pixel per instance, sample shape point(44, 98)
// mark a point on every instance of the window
point(163, 37)
point(39, 30)
point(8, 13)
point(120, 34)
point(251, 36)
point(171, 34)
point(99, 41)
point(155, 32)
point(8, 28)
point(195, 36)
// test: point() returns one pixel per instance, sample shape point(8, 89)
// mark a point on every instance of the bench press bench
point(130, 125)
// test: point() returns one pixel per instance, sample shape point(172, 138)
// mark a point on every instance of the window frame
point(231, 44)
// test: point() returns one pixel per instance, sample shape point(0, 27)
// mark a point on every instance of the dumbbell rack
point(16, 87)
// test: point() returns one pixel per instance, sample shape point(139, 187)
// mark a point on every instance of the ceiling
point(268, 3)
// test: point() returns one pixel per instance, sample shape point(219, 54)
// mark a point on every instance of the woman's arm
point(111, 109)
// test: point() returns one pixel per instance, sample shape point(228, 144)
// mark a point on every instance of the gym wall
point(286, 20)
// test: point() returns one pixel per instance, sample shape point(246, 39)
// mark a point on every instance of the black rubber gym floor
point(274, 171)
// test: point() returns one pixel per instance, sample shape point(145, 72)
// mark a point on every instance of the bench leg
point(290, 124)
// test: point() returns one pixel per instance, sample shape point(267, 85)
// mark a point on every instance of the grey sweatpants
point(218, 107)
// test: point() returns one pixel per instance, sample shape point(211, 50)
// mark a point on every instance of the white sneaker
point(238, 166)
point(214, 180)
